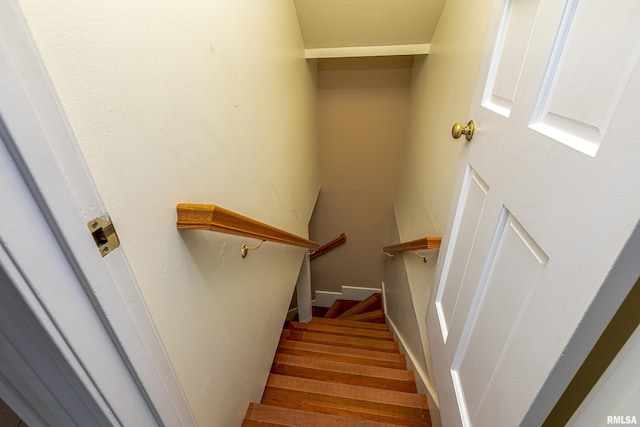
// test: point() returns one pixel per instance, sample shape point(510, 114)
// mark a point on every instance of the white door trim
point(34, 356)
point(45, 151)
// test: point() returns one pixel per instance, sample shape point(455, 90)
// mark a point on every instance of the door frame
point(44, 149)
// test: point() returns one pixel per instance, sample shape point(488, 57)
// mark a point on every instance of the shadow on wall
point(408, 282)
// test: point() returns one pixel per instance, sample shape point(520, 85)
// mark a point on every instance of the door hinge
point(104, 234)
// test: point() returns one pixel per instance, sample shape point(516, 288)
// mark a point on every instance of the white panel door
point(549, 194)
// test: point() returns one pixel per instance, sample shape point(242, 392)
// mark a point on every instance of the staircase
point(369, 310)
point(337, 371)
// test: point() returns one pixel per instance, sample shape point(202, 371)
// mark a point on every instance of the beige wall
point(441, 89)
point(204, 102)
point(363, 110)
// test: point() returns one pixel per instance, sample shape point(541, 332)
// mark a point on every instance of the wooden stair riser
point(350, 324)
point(268, 415)
point(370, 316)
point(362, 306)
point(408, 400)
point(350, 368)
point(343, 378)
point(346, 359)
point(257, 423)
point(344, 341)
point(352, 355)
point(342, 330)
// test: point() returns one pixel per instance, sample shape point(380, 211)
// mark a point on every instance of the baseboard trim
point(423, 377)
point(418, 370)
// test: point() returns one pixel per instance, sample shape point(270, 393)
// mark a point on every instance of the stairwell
point(340, 370)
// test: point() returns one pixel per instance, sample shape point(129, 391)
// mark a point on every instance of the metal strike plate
point(104, 234)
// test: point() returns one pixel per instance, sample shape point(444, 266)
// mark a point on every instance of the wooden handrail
point(215, 218)
point(329, 246)
point(415, 245)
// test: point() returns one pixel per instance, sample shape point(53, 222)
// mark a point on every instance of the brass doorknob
point(458, 130)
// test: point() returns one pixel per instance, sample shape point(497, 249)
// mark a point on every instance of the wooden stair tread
point(340, 372)
point(360, 409)
point(334, 310)
point(367, 316)
point(330, 365)
point(349, 323)
point(345, 341)
point(334, 349)
point(344, 372)
point(346, 400)
point(268, 415)
point(342, 330)
point(326, 352)
point(361, 306)
point(344, 378)
point(348, 391)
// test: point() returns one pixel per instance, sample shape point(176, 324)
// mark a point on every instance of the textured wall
point(203, 102)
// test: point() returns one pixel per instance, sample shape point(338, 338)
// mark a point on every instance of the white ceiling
point(341, 23)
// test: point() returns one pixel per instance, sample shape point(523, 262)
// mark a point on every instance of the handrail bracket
point(425, 258)
point(245, 249)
